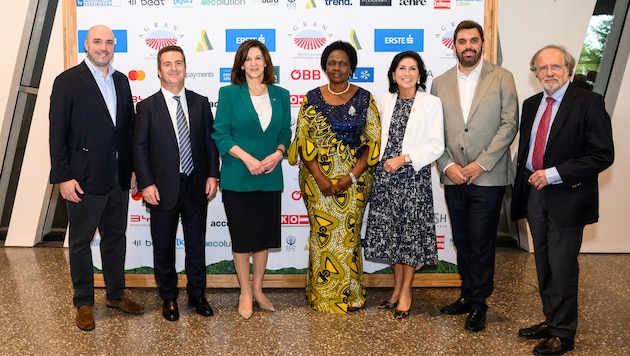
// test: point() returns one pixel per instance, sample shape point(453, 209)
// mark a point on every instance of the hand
point(69, 190)
point(270, 162)
point(211, 188)
point(472, 171)
point(342, 185)
point(454, 173)
point(392, 164)
point(325, 186)
point(254, 166)
point(538, 179)
point(151, 195)
point(134, 184)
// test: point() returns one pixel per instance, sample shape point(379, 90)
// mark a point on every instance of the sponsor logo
point(224, 75)
point(440, 241)
point(309, 36)
point(467, 2)
point(204, 44)
point(199, 75)
point(182, 4)
point(375, 3)
point(398, 40)
point(296, 99)
point(265, 2)
point(137, 196)
point(290, 243)
point(146, 2)
point(291, 5)
point(103, 3)
point(138, 75)
point(296, 195)
point(235, 37)
point(296, 219)
point(363, 75)
point(120, 40)
point(219, 244)
point(310, 4)
point(446, 38)
point(223, 2)
point(136, 99)
point(306, 74)
point(159, 35)
point(442, 4)
point(412, 3)
point(276, 74)
point(441, 220)
point(338, 2)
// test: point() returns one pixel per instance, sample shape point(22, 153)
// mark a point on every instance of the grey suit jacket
point(490, 129)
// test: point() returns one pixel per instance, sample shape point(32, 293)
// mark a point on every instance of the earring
point(418, 80)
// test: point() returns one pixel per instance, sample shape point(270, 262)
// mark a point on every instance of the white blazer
point(424, 135)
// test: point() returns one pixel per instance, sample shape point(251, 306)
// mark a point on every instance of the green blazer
point(236, 124)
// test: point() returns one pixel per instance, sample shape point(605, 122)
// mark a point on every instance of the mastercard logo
point(136, 75)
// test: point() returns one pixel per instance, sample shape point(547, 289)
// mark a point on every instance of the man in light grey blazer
point(480, 122)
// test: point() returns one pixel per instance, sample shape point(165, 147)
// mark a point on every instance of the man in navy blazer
point(167, 188)
point(557, 190)
point(91, 125)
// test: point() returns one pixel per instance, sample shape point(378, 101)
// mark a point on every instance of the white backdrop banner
point(296, 32)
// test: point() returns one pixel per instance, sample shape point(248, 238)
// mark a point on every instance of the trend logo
point(205, 44)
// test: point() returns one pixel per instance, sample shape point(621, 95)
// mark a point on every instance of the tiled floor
point(38, 318)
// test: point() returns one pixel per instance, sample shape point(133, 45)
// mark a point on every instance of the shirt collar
point(476, 71)
point(95, 71)
point(168, 95)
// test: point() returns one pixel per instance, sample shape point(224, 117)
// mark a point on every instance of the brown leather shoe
point(84, 318)
point(127, 305)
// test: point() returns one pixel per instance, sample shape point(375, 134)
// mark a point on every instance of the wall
point(524, 27)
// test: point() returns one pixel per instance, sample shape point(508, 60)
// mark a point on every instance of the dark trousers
point(556, 250)
point(474, 213)
point(108, 213)
point(163, 233)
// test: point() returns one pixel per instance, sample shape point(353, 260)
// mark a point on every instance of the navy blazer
point(84, 143)
point(156, 151)
point(580, 146)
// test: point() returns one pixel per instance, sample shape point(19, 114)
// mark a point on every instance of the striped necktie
point(185, 152)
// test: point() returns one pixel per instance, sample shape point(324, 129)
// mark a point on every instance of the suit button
point(465, 130)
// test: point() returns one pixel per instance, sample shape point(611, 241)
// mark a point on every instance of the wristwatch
point(407, 159)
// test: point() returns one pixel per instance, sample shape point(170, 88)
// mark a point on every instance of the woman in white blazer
point(401, 220)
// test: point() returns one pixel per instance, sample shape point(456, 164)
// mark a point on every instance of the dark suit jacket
point(83, 141)
point(156, 152)
point(580, 146)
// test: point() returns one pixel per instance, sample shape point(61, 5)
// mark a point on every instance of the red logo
point(296, 99)
point(442, 4)
point(296, 195)
point(440, 241)
point(135, 218)
point(136, 75)
point(294, 219)
point(306, 74)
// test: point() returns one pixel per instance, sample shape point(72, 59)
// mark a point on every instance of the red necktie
point(541, 136)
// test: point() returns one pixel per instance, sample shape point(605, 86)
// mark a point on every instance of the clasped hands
point(329, 189)
point(265, 166)
point(464, 175)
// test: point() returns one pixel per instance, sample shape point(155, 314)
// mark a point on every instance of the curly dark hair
point(344, 46)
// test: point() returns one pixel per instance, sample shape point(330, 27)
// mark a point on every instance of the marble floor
point(38, 317)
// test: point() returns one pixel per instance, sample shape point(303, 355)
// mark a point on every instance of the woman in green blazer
point(252, 131)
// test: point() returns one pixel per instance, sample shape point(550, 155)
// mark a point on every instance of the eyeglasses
point(554, 68)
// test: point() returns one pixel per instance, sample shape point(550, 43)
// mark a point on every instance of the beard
point(468, 61)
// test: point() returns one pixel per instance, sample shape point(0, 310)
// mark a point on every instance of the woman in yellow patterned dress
point(337, 143)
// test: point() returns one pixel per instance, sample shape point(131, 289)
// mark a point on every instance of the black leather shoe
point(460, 306)
point(201, 305)
point(476, 321)
point(538, 331)
point(170, 311)
point(554, 345)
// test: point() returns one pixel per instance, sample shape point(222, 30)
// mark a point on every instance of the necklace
point(339, 93)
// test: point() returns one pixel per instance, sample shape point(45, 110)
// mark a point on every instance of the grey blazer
point(490, 129)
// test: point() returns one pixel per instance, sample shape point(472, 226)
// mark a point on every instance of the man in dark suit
point(480, 122)
point(177, 165)
point(91, 125)
point(566, 141)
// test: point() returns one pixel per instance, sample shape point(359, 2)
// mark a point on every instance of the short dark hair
point(170, 49)
point(393, 86)
point(238, 75)
point(344, 46)
point(467, 25)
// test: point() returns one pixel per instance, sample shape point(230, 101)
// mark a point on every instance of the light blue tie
point(185, 153)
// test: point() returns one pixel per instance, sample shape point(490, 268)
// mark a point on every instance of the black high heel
point(401, 314)
point(387, 305)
